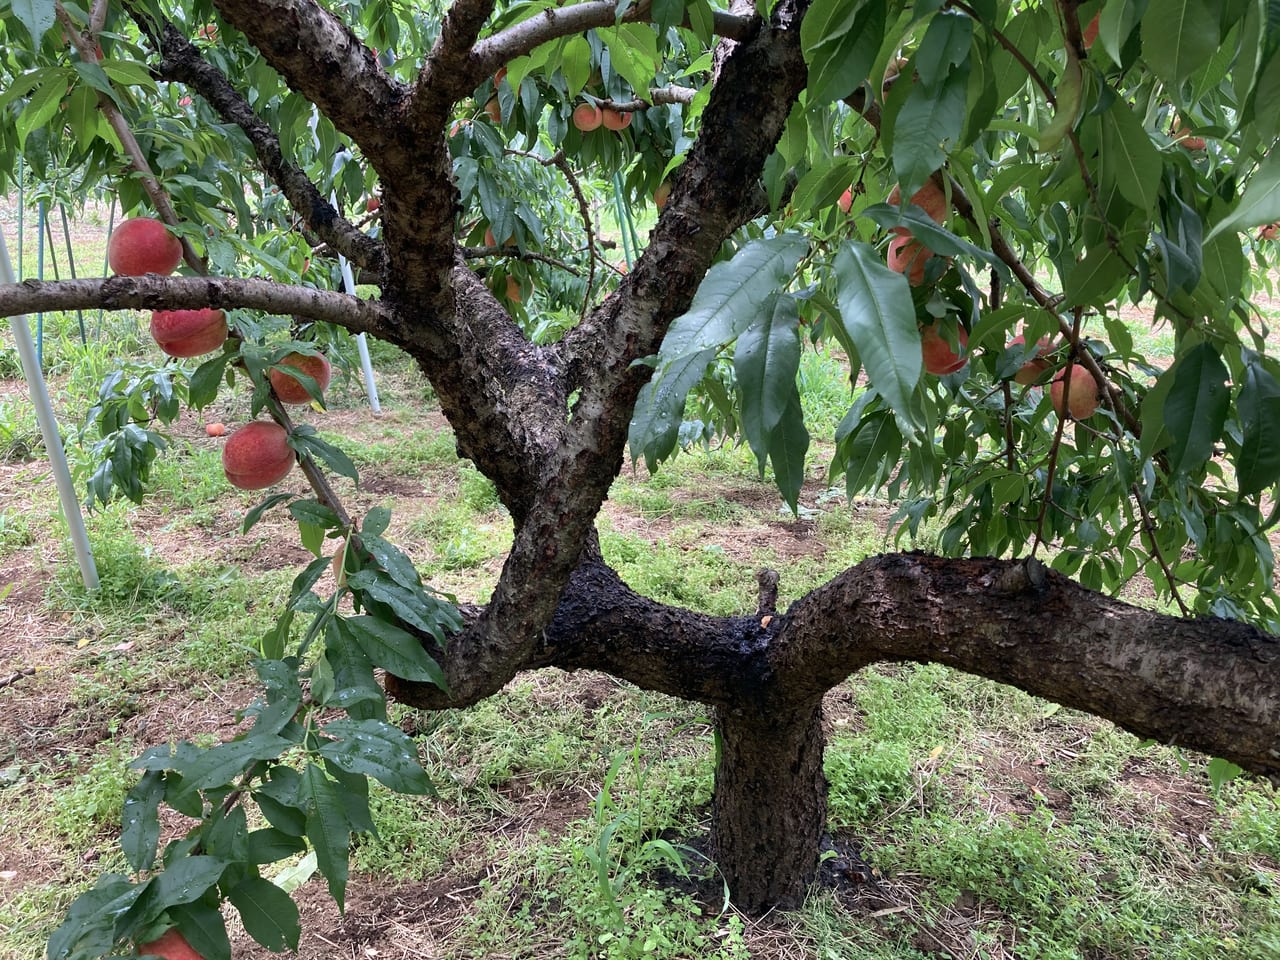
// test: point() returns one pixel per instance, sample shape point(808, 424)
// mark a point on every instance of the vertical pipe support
point(52, 439)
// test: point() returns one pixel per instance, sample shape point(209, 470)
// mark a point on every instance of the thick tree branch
point(320, 58)
point(183, 62)
point(492, 52)
point(742, 122)
point(450, 72)
point(154, 292)
point(1207, 684)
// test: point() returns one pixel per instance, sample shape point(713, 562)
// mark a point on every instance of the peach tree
point(970, 200)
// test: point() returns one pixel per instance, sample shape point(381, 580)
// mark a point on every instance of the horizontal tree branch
point(1206, 684)
point(494, 51)
point(154, 292)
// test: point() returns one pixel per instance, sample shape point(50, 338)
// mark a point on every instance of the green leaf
point(933, 235)
point(141, 829)
point(42, 106)
point(840, 39)
point(395, 650)
point(254, 515)
point(279, 800)
point(269, 914)
point(1196, 407)
point(1067, 101)
point(327, 829)
point(655, 422)
point(312, 537)
point(306, 441)
point(269, 845)
point(1118, 19)
point(788, 444)
point(284, 696)
point(1220, 771)
point(766, 361)
point(1179, 37)
point(945, 45)
point(1130, 161)
point(1096, 279)
point(871, 453)
point(203, 928)
point(129, 74)
point(575, 64)
point(202, 387)
point(354, 683)
point(36, 15)
point(185, 880)
point(412, 605)
point(1260, 202)
point(379, 750)
point(633, 51)
point(926, 126)
point(220, 765)
point(376, 521)
point(315, 513)
point(88, 927)
point(1258, 465)
point(877, 312)
point(732, 294)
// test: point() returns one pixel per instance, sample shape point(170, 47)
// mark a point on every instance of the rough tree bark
point(770, 804)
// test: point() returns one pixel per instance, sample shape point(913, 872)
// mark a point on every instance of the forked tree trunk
point(770, 804)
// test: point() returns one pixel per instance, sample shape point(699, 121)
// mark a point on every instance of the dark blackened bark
point(770, 803)
point(1206, 684)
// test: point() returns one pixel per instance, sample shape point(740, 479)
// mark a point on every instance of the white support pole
point(49, 430)
point(349, 286)
point(362, 342)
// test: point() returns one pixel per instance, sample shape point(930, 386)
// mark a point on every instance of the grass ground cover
point(967, 819)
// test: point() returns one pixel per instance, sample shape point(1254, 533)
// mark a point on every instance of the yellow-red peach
point(143, 245)
point(1079, 398)
point(289, 388)
point(170, 945)
point(189, 333)
point(257, 455)
point(1033, 369)
point(938, 356)
point(587, 117)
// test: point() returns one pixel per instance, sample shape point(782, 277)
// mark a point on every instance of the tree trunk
point(770, 803)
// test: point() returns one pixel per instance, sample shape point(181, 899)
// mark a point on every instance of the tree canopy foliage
point(971, 200)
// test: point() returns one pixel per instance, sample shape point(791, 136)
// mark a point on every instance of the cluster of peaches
point(1077, 398)
point(258, 454)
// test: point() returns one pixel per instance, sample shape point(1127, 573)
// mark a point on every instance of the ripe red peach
point(257, 455)
point(289, 388)
point(189, 333)
point(1080, 399)
point(938, 356)
point(143, 245)
point(171, 945)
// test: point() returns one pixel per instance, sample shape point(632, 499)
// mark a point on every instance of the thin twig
point(87, 46)
point(15, 677)
point(514, 253)
point(1148, 525)
point(561, 163)
point(1063, 416)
